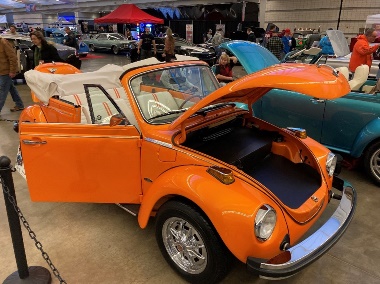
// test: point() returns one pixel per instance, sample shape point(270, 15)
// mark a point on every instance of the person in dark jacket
point(70, 39)
point(275, 45)
point(43, 51)
point(251, 35)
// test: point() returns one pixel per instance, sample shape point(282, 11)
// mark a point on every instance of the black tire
point(203, 243)
point(115, 50)
point(83, 55)
point(91, 47)
point(371, 160)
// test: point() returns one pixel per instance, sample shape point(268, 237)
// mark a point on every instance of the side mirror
point(117, 119)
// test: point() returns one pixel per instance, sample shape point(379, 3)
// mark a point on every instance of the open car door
point(77, 162)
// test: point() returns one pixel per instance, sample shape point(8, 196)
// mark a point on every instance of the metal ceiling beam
point(95, 6)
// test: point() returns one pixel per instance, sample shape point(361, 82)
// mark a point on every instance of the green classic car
point(349, 125)
point(108, 41)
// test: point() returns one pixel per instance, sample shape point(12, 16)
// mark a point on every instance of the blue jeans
point(6, 85)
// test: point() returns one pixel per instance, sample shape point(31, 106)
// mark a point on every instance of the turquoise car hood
point(253, 57)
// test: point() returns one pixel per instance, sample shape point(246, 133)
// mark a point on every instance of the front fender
point(230, 208)
point(369, 133)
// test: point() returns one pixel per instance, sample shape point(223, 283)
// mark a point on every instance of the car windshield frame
point(162, 95)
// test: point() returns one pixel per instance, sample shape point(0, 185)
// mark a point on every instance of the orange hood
point(314, 81)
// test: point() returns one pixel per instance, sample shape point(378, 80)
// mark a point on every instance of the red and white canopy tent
point(128, 13)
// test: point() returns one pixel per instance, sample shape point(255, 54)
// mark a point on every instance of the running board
point(132, 209)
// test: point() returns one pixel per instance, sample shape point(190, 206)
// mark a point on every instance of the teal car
point(350, 124)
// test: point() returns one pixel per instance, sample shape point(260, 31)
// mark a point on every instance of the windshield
point(117, 37)
point(162, 95)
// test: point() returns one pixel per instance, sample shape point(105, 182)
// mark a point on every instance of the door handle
point(32, 142)
point(317, 101)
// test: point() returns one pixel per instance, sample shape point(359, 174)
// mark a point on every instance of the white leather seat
point(102, 107)
point(360, 77)
point(153, 104)
point(344, 71)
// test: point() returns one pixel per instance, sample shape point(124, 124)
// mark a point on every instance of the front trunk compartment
point(249, 149)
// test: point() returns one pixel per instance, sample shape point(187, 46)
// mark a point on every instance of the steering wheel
point(188, 99)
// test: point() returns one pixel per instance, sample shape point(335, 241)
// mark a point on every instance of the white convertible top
point(46, 85)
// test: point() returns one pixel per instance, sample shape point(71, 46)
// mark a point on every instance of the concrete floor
point(101, 243)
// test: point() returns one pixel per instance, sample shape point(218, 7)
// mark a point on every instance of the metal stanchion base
point(37, 275)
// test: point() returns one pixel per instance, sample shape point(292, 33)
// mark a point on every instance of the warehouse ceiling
point(93, 6)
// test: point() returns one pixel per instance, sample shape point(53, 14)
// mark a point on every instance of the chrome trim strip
point(322, 239)
point(167, 145)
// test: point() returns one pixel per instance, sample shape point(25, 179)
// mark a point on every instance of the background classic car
point(108, 41)
point(348, 125)
point(173, 131)
point(59, 36)
point(182, 46)
point(341, 58)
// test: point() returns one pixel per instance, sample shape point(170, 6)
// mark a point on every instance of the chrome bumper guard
point(310, 249)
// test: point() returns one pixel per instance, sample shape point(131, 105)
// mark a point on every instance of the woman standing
point(169, 46)
point(43, 51)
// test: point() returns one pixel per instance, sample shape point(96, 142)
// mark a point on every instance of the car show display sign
point(189, 32)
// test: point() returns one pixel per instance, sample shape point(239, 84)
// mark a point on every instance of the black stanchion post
point(33, 274)
point(14, 223)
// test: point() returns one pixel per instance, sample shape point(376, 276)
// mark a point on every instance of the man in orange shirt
point(362, 52)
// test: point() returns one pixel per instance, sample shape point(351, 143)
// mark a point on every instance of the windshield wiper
point(203, 111)
point(175, 111)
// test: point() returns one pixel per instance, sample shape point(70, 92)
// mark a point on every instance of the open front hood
point(253, 57)
point(321, 82)
point(338, 42)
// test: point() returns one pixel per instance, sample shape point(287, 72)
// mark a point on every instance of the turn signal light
point(222, 174)
point(280, 258)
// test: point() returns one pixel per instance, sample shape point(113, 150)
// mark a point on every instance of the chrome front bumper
point(310, 249)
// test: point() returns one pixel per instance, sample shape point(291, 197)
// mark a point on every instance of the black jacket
point(71, 40)
point(251, 37)
point(48, 53)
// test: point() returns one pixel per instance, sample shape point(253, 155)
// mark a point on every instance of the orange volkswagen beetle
point(165, 140)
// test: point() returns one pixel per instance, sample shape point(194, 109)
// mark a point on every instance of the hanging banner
point(189, 33)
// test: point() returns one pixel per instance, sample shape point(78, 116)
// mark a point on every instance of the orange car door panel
point(82, 163)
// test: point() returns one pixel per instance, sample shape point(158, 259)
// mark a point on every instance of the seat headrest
point(344, 71)
point(360, 77)
point(135, 84)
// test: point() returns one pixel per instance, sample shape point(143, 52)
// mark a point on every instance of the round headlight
point(265, 222)
point(331, 164)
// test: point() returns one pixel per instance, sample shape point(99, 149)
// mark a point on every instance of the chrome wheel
point(375, 164)
point(91, 47)
point(115, 50)
point(184, 245)
point(190, 244)
point(371, 161)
